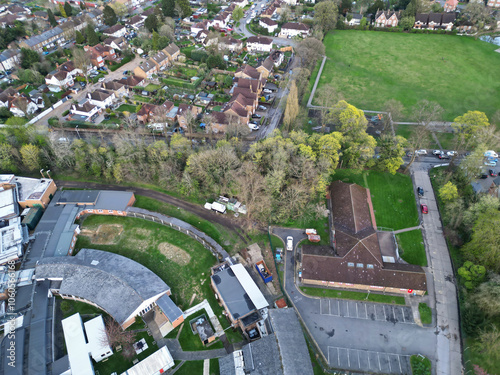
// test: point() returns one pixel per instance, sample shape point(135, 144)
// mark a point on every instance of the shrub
point(65, 113)
point(198, 55)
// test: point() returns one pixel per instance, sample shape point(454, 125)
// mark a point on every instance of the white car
point(253, 126)
point(102, 79)
point(451, 153)
point(289, 243)
point(437, 152)
point(490, 154)
point(267, 91)
point(421, 152)
point(249, 20)
point(490, 163)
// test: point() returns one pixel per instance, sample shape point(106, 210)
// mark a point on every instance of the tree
point(155, 40)
point(292, 107)
point(325, 15)
point(109, 16)
point(120, 9)
point(30, 76)
point(82, 61)
point(391, 152)
point(309, 51)
point(377, 5)
point(167, 31)
point(151, 23)
point(395, 110)
point(62, 10)
point(29, 58)
point(416, 6)
point(476, 12)
point(471, 165)
point(68, 9)
point(472, 274)
point(470, 128)
point(345, 6)
point(92, 38)
point(487, 296)
point(30, 156)
point(407, 22)
point(79, 38)
point(5, 113)
point(484, 205)
point(168, 8)
point(363, 5)
point(115, 336)
point(285, 13)
point(252, 190)
point(7, 157)
point(237, 14)
point(488, 344)
point(484, 247)
point(448, 191)
point(52, 19)
point(185, 8)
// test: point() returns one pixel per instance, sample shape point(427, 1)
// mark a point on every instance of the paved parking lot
point(365, 360)
point(362, 310)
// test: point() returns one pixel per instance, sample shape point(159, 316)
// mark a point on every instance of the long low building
point(120, 286)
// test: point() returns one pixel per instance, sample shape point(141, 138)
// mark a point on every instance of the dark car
point(443, 156)
point(420, 191)
point(493, 173)
point(424, 209)
point(256, 116)
point(484, 176)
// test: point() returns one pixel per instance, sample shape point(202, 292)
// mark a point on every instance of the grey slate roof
point(169, 308)
point(115, 283)
point(37, 39)
point(291, 342)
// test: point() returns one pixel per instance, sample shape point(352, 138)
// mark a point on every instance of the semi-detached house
point(9, 59)
point(116, 31)
point(259, 44)
point(292, 29)
point(101, 98)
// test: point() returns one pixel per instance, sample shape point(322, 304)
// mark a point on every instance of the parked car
point(253, 126)
point(437, 152)
point(490, 163)
point(254, 122)
point(484, 175)
point(421, 152)
point(451, 153)
point(255, 115)
point(493, 173)
point(490, 154)
point(262, 107)
point(267, 91)
point(424, 209)
point(289, 243)
point(69, 97)
point(102, 79)
point(420, 191)
point(443, 156)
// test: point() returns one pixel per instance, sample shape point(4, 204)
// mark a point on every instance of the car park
point(420, 191)
point(493, 173)
point(424, 209)
point(289, 243)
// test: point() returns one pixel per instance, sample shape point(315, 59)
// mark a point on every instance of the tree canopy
point(109, 16)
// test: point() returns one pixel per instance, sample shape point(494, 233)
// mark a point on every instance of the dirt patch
point(105, 234)
point(174, 253)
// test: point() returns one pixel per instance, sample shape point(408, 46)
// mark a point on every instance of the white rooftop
point(157, 363)
point(98, 345)
point(7, 203)
point(6, 178)
point(11, 240)
point(250, 287)
point(31, 188)
point(78, 355)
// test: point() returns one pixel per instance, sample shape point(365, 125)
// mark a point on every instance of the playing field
point(370, 67)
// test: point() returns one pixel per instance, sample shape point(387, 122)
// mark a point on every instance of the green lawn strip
point(70, 307)
point(192, 342)
point(127, 108)
point(347, 294)
point(409, 67)
point(425, 313)
point(119, 363)
point(317, 368)
point(392, 196)
point(420, 365)
point(411, 247)
point(191, 368)
point(140, 241)
point(142, 98)
point(219, 233)
point(214, 366)
point(151, 87)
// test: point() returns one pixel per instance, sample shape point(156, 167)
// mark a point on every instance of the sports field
point(370, 67)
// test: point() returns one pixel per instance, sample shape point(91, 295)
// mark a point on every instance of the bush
point(53, 121)
point(198, 55)
point(65, 113)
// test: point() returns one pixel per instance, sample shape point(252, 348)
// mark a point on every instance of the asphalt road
point(358, 336)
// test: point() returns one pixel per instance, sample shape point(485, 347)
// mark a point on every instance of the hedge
point(123, 62)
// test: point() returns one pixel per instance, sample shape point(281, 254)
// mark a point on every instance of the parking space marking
point(368, 360)
point(403, 314)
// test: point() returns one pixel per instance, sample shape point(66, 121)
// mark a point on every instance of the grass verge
point(420, 365)
point(214, 366)
point(190, 368)
point(357, 296)
point(425, 313)
point(411, 247)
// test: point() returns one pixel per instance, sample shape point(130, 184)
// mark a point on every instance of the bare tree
point(81, 59)
point(326, 98)
point(394, 109)
point(115, 336)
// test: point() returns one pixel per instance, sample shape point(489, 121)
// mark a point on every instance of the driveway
point(445, 293)
point(355, 335)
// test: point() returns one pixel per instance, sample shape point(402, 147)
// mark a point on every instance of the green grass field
point(191, 368)
point(127, 107)
point(411, 247)
point(370, 67)
point(358, 296)
point(392, 196)
point(420, 365)
point(425, 313)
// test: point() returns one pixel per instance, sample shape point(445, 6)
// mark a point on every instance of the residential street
point(379, 339)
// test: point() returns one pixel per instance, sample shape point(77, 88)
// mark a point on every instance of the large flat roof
point(31, 188)
point(169, 308)
point(12, 238)
point(97, 339)
point(76, 345)
point(8, 203)
point(250, 287)
point(157, 363)
point(113, 282)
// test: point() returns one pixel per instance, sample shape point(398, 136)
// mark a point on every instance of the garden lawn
point(191, 368)
point(425, 313)
point(127, 108)
point(151, 87)
point(182, 262)
point(358, 296)
point(392, 196)
point(369, 67)
point(411, 247)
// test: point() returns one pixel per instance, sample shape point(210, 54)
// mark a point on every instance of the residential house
point(448, 21)
point(116, 31)
point(146, 113)
point(161, 59)
point(41, 15)
point(135, 22)
point(86, 111)
point(9, 59)
point(246, 93)
point(493, 3)
point(219, 122)
point(266, 68)
point(237, 111)
point(269, 12)
point(290, 2)
point(201, 36)
point(96, 16)
point(5, 95)
point(259, 44)
point(146, 69)
point(48, 39)
point(199, 26)
point(359, 259)
point(240, 3)
point(247, 71)
point(387, 18)
point(17, 9)
point(254, 85)
point(101, 98)
point(133, 81)
point(10, 19)
point(450, 5)
point(99, 53)
point(231, 44)
point(210, 40)
point(435, 20)
point(172, 51)
point(293, 29)
point(116, 43)
point(421, 21)
point(247, 103)
point(219, 22)
point(119, 88)
point(182, 117)
point(59, 80)
point(353, 19)
point(268, 24)
point(277, 57)
point(22, 106)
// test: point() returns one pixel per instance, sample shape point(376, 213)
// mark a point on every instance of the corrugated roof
point(251, 289)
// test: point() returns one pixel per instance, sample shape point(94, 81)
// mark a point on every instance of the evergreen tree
point(168, 7)
point(185, 8)
point(63, 12)
point(52, 19)
point(151, 23)
point(155, 40)
point(109, 16)
point(79, 38)
point(68, 9)
point(92, 38)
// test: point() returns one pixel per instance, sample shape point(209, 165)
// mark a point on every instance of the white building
point(292, 29)
point(86, 110)
point(12, 240)
point(268, 24)
point(98, 344)
point(157, 363)
point(101, 98)
point(22, 106)
point(116, 31)
point(9, 59)
point(259, 44)
point(58, 81)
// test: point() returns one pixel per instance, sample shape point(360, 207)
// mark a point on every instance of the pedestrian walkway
point(313, 91)
point(407, 229)
point(206, 367)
